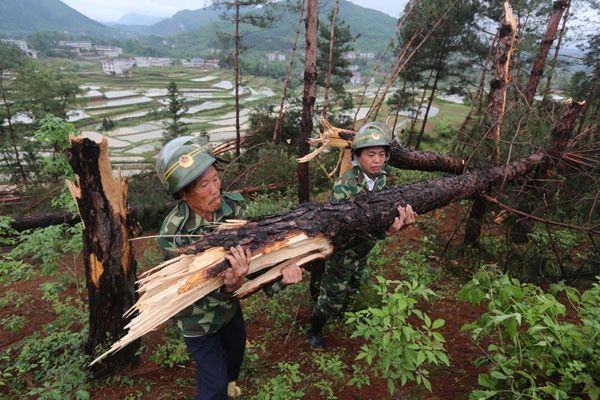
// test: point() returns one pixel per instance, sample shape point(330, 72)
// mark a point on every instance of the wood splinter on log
point(178, 283)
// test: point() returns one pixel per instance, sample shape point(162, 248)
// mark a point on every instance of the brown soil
point(285, 344)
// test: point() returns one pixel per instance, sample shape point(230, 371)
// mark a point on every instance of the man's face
point(204, 193)
point(372, 159)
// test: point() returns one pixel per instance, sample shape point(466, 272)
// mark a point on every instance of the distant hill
point(184, 21)
point(22, 17)
point(137, 19)
point(375, 28)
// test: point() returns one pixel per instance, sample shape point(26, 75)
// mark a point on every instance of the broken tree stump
point(110, 267)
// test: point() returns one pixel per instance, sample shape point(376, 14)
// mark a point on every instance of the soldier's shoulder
point(236, 197)
point(347, 178)
point(172, 220)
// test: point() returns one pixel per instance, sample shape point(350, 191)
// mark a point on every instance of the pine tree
point(176, 109)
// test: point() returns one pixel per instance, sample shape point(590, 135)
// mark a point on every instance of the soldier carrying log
point(343, 272)
point(213, 327)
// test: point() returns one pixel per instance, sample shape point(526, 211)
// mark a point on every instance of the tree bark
point(558, 7)
point(308, 100)
point(563, 29)
point(347, 223)
point(108, 256)
point(496, 104)
point(21, 224)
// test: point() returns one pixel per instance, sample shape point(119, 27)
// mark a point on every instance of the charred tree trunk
point(21, 224)
point(348, 223)
point(308, 100)
point(110, 267)
point(558, 8)
point(496, 104)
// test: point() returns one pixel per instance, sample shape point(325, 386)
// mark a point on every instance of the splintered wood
point(178, 283)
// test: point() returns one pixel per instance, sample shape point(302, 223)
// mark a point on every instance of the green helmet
point(371, 135)
point(181, 161)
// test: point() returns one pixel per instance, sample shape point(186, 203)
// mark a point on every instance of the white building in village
point(109, 51)
point(149, 62)
point(120, 66)
point(195, 62)
point(22, 45)
point(275, 56)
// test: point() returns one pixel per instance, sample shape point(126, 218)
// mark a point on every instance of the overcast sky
point(112, 10)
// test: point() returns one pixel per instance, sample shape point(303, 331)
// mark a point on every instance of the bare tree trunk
point(431, 96)
point(331, 38)
point(479, 90)
point(563, 29)
point(11, 129)
point(21, 224)
point(496, 105)
point(413, 120)
point(287, 77)
point(110, 266)
point(402, 93)
point(501, 76)
point(237, 78)
point(308, 100)
point(558, 7)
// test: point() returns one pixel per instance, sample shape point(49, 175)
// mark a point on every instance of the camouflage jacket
point(353, 181)
point(209, 314)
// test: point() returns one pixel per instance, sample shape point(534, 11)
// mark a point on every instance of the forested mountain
point(22, 17)
point(375, 29)
point(138, 19)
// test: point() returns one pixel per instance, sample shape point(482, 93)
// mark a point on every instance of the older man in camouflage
point(213, 327)
point(344, 270)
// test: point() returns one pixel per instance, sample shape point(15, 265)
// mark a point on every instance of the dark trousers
point(218, 358)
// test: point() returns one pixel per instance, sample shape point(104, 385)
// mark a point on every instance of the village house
point(195, 62)
point(120, 66)
point(212, 64)
point(350, 55)
point(356, 79)
point(109, 51)
point(22, 45)
point(275, 56)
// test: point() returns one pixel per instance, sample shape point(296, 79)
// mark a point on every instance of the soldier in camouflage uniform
point(213, 327)
point(344, 270)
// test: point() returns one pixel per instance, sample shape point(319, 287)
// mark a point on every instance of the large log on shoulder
point(301, 235)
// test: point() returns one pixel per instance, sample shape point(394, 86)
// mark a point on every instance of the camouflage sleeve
point(340, 191)
point(166, 241)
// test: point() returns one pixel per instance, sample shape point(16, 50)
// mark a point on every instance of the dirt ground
point(288, 345)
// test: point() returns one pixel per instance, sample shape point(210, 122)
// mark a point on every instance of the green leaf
point(438, 323)
point(485, 381)
point(391, 386)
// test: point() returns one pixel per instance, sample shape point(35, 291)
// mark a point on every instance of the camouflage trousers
point(343, 276)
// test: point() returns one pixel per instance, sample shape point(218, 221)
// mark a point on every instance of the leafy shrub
point(282, 386)
point(172, 352)
point(51, 364)
point(537, 353)
point(397, 350)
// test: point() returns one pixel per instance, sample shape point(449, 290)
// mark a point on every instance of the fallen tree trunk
point(308, 232)
point(21, 224)
point(400, 156)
